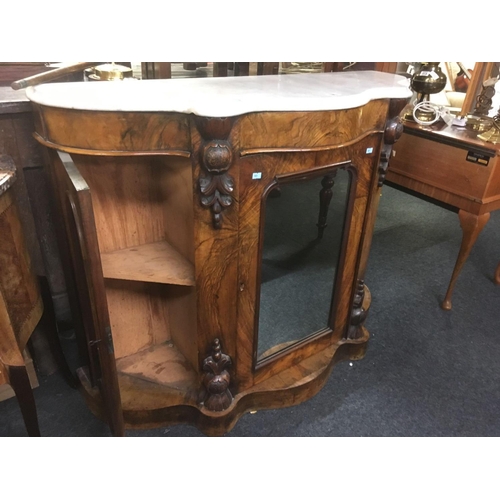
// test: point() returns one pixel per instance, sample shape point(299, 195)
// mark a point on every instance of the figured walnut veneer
point(162, 220)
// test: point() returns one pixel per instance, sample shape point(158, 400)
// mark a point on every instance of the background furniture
point(165, 237)
point(450, 166)
point(158, 70)
point(21, 304)
point(32, 194)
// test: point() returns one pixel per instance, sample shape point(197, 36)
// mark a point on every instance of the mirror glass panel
point(298, 264)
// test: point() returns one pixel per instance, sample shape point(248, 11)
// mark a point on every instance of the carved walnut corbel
point(392, 133)
point(358, 313)
point(217, 379)
point(216, 157)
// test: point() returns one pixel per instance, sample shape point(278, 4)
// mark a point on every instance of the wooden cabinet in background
point(216, 236)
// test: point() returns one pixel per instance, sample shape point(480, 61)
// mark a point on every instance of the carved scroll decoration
point(216, 157)
point(358, 313)
point(393, 131)
point(217, 379)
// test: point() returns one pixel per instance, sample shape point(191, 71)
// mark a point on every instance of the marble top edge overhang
point(226, 96)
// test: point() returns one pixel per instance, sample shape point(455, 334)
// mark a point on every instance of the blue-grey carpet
point(427, 372)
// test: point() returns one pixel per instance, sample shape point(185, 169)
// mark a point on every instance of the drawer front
point(440, 166)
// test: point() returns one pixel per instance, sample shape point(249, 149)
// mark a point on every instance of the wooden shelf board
point(153, 262)
point(162, 364)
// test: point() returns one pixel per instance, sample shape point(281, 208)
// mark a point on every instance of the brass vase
point(429, 79)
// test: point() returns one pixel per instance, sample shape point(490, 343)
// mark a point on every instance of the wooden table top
point(455, 136)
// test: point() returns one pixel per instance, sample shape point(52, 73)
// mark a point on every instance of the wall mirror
point(300, 258)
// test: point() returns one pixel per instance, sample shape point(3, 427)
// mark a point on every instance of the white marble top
point(226, 96)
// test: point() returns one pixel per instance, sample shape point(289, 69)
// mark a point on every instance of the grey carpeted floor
point(427, 372)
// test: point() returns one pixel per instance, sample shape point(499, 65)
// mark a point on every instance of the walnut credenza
point(171, 195)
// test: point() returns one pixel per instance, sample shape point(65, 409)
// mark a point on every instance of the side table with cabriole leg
point(454, 169)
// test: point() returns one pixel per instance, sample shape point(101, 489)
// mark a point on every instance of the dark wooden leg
point(325, 197)
point(471, 225)
point(497, 274)
point(20, 383)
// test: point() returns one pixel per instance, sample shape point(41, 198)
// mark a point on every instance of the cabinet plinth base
point(293, 386)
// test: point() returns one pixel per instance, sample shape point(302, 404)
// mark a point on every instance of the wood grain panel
point(154, 262)
point(14, 147)
point(440, 166)
point(183, 323)
point(100, 131)
point(271, 166)
point(162, 364)
point(260, 131)
point(127, 203)
point(492, 192)
point(139, 315)
point(140, 200)
point(18, 283)
point(216, 257)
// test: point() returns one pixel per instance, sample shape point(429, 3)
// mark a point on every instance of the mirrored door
point(301, 241)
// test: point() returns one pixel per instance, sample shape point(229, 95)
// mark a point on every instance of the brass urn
point(430, 79)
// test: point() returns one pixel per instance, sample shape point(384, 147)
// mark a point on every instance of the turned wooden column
point(325, 197)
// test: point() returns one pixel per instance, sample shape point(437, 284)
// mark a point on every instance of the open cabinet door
point(78, 214)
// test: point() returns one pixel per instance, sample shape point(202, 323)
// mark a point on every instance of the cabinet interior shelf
point(162, 364)
point(153, 262)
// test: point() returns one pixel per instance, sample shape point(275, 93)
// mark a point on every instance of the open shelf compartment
point(153, 262)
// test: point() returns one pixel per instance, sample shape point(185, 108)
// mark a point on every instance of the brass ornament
point(493, 133)
point(108, 72)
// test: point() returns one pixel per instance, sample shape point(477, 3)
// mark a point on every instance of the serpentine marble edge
point(229, 96)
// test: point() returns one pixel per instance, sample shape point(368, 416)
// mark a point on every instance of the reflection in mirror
point(299, 258)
